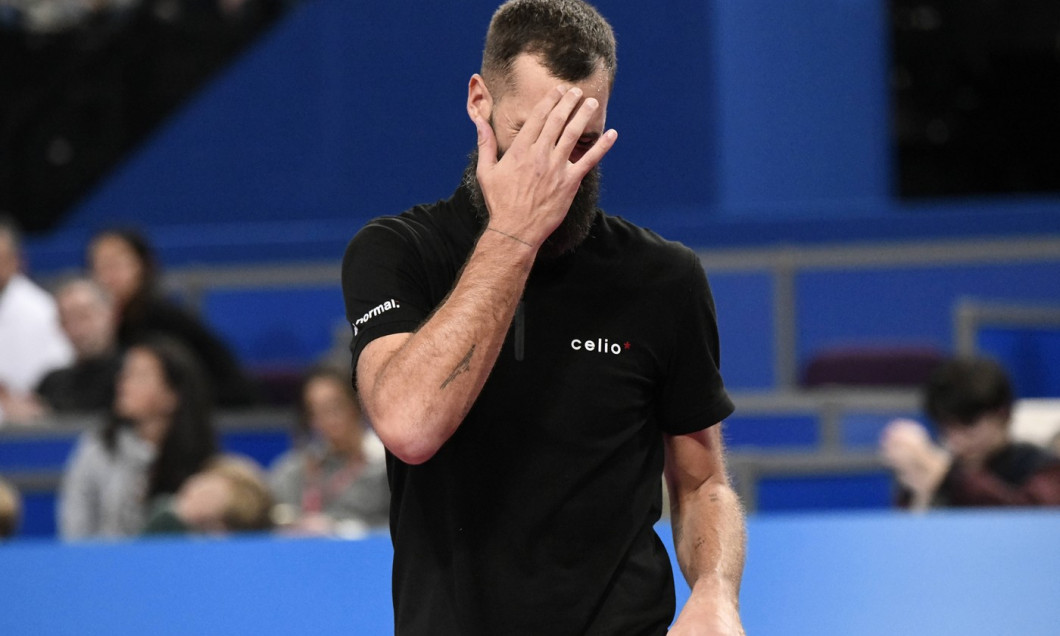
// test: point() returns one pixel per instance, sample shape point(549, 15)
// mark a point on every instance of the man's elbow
point(409, 443)
point(411, 452)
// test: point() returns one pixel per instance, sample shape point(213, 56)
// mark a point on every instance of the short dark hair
point(570, 36)
point(961, 390)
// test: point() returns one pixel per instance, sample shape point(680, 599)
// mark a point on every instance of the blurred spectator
point(88, 319)
point(31, 341)
point(229, 495)
point(335, 481)
point(969, 400)
point(159, 433)
point(124, 264)
point(10, 510)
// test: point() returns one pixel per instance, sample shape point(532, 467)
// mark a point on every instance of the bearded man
point(535, 366)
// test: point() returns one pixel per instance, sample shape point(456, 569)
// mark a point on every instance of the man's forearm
point(709, 536)
point(421, 392)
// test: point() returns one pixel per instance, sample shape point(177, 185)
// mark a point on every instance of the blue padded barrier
point(861, 431)
point(38, 514)
point(35, 453)
point(816, 493)
point(261, 446)
point(771, 432)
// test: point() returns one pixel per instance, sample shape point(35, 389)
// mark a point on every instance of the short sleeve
point(381, 284)
point(693, 394)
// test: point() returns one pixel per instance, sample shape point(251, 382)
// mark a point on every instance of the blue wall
point(803, 115)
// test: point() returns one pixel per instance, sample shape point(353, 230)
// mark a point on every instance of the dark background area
point(75, 100)
point(976, 96)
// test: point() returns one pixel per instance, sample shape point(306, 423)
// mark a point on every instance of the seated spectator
point(969, 400)
point(88, 319)
point(31, 341)
point(335, 481)
point(230, 495)
point(159, 433)
point(10, 510)
point(124, 264)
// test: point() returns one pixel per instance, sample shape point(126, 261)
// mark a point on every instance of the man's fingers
point(594, 154)
point(487, 143)
point(531, 129)
point(575, 126)
point(562, 118)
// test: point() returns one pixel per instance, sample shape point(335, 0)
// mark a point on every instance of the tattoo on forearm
point(462, 367)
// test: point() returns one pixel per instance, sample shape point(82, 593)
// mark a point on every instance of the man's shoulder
point(643, 245)
point(423, 222)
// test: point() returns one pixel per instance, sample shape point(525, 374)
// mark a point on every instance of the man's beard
point(571, 231)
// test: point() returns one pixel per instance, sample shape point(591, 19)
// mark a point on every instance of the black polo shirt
point(536, 516)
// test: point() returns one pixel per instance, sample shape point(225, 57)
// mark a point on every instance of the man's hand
point(918, 463)
point(529, 190)
point(709, 534)
point(709, 614)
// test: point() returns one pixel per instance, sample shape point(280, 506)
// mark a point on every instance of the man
point(89, 319)
point(531, 364)
point(31, 342)
point(970, 402)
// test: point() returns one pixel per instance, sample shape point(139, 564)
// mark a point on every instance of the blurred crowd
point(145, 376)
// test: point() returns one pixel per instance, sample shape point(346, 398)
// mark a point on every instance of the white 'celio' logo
point(600, 345)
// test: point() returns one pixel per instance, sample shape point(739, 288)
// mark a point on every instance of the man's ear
point(479, 99)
